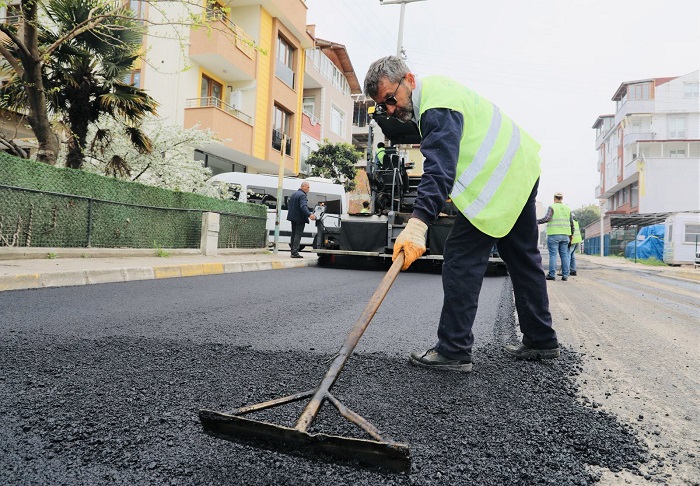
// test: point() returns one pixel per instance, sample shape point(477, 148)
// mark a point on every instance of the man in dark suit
point(298, 213)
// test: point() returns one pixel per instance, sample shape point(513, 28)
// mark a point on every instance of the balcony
point(214, 49)
point(310, 125)
point(277, 142)
point(230, 124)
point(634, 137)
point(631, 107)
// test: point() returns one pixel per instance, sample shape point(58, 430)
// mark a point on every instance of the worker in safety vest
point(560, 228)
point(379, 156)
point(574, 247)
point(490, 169)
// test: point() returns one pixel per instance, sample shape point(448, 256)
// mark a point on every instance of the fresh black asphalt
point(102, 384)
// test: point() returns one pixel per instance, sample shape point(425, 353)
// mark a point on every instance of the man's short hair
point(391, 67)
point(380, 145)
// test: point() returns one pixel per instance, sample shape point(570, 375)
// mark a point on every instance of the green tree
point(587, 215)
point(85, 75)
point(335, 161)
point(24, 57)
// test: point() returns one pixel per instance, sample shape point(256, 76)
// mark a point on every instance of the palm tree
point(84, 77)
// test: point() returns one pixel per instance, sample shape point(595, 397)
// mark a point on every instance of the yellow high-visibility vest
point(577, 234)
point(560, 224)
point(498, 162)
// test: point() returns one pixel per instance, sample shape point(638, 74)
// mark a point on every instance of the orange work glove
point(412, 241)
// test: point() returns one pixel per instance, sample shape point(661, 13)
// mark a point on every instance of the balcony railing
point(217, 103)
point(285, 74)
point(242, 40)
point(277, 142)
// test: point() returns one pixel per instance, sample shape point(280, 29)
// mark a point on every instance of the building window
point(217, 164)
point(692, 233)
point(133, 78)
point(309, 106)
point(624, 195)
point(138, 8)
point(676, 126)
point(280, 127)
point(211, 92)
point(638, 91)
point(669, 236)
point(691, 90)
point(13, 14)
point(337, 121)
point(634, 195)
point(285, 62)
point(678, 153)
point(303, 157)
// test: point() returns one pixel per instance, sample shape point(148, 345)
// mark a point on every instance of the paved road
point(102, 383)
point(299, 310)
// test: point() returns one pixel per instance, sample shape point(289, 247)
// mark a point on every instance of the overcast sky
point(551, 65)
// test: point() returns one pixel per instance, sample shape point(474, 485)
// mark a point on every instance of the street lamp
point(403, 3)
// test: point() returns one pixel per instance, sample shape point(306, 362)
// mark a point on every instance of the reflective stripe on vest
point(577, 234)
point(498, 162)
point(560, 224)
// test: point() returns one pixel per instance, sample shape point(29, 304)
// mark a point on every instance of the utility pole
point(399, 45)
point(602, 225)
point(280, 193)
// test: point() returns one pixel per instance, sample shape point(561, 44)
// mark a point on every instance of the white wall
point(164, 76)
point(671, 185)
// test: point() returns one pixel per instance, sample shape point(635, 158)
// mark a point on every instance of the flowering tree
point(169, 165)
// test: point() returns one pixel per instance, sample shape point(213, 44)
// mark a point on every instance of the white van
point(262, 189)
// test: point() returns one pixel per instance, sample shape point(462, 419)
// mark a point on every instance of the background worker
point(560, 227)
point(299, 214)
point(576, 240)
point(379, 156)
point(490, 168)
point(365, 208)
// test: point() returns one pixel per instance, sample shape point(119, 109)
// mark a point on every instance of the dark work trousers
point(295, 239)
point(466, 257)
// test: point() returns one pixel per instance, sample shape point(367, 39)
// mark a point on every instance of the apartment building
point(648, 159)
point(649, 149)
point(242, 78)
point(327, 104)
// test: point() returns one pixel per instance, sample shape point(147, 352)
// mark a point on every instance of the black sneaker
point(550, 277)
point(521, 351)
point(296, 255)
point(564, 279)
point(432, 359)
point(572, 274)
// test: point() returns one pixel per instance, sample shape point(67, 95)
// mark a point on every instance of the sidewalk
point(685, 272)
point(32, 268)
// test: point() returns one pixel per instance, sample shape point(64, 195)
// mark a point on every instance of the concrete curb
point(67, 278)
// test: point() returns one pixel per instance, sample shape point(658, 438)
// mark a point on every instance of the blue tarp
point(650, 243)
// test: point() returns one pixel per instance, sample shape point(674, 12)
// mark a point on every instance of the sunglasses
point(390, 100)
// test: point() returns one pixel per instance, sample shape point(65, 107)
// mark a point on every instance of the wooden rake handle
point(309, 414)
